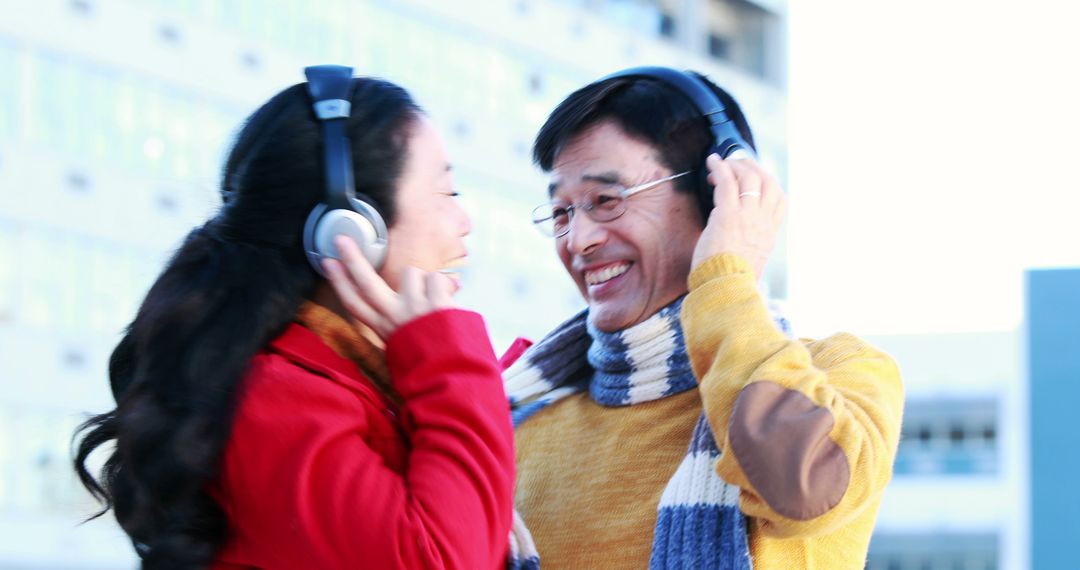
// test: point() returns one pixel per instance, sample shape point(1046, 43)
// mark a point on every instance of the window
point(123, 116)
point(177, 126)
point(7, 455)
point(69, 275)
point(110, 293)
point(667, 25)
point(37, 474)
point(99, 117)
point(149, 127)
point(739, 32)
point(949, 437)
point(938, 551)
point(38, 280)
point(719, 47)
point(8, 91)
point(8, 272)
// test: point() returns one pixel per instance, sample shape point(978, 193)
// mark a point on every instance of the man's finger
point(725, 189)
point(750, 180)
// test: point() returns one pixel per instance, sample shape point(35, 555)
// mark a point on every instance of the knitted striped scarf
point(698, 524)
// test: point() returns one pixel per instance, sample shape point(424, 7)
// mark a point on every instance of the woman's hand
point(748, 210)
point(370, 301)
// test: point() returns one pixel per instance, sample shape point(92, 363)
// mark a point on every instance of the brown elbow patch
point(781, 440)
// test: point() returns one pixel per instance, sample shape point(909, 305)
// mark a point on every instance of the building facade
point(957, 499)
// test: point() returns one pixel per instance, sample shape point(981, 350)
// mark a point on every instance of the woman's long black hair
point(233, 285)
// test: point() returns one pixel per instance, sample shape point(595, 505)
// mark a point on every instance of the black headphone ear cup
point(324, 225)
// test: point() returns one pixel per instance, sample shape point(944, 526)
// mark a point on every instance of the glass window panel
point(103, 130)
point(357, 32)
point(9, 87)
point(217, 128)
point(68, 279)
point(57, 89)
point(9, 237)
point(210, 10)
point(189, 8)
point(35, 98)
point(127, 296)
point(224, 126)
point(339, 48)
point(38, 286)
point(78, 122)
point(178, 122)
point(62, 492)
point(7, 455)
point(145, 269)
point(269, 23)
point(16, 468)
point(123, 116)
point(149, 119)
point(223, 14)
point(110, 287)
point(204, 158)
point(34, 459)
point(250, 21)
point(505, 83)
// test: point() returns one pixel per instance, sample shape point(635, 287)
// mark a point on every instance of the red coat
point(323, 472)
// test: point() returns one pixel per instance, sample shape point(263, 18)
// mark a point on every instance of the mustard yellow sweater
point(808, 430)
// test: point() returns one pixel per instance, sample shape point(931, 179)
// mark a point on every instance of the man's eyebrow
point(609, 177)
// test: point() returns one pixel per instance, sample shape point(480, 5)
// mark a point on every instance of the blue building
point(1053, 364)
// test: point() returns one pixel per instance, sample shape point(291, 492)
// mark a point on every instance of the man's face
point(631, 267)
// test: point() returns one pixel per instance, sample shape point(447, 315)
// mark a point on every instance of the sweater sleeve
point(324, 498)
point(807, 429)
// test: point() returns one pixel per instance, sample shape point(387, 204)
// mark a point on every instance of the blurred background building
point(114, 116)
point(985, 474)
point(957, 499)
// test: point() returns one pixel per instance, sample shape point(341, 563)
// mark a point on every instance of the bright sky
point(934, 148)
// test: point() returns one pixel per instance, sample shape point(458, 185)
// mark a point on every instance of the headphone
point(727, 142)
point(342, 211)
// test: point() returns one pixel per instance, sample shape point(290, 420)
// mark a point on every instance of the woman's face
point(430, 225)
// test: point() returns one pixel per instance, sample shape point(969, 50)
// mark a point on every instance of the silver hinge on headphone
point(332, 109)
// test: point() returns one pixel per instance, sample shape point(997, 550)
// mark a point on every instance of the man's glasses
point(603, 202)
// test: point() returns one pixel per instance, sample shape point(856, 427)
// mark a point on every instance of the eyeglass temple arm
point(642, 187)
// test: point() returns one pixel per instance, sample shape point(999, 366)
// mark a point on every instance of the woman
point(269, 418)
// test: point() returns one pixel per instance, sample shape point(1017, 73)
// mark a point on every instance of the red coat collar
point(305, 348)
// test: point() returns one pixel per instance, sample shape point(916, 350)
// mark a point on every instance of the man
point(673, 424)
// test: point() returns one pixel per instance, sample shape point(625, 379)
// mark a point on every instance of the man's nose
point(585, 234)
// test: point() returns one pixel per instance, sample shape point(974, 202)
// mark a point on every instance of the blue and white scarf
point(698, 524)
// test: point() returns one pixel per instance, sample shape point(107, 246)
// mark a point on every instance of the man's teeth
point(606, 274)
